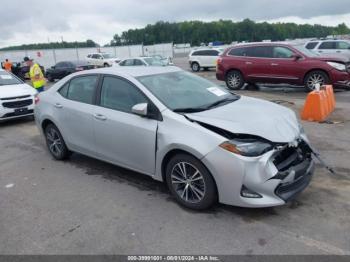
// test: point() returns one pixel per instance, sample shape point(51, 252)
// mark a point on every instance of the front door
point(122, 137)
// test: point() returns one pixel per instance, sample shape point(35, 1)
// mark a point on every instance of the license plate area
point(21, 111)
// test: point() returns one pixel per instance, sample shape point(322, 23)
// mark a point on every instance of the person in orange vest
point(36, 75)
point(7, 65)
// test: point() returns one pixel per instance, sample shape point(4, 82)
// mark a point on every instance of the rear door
point(212, 57)
point(327, 47)
point(258, 62)
point(122, 137)
point(76, 110)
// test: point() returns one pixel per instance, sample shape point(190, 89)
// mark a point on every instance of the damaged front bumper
point(271, 180)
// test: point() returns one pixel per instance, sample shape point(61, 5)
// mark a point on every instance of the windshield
point(8, 79)
point(305, 51)
point(185, 91)
point(153, 61)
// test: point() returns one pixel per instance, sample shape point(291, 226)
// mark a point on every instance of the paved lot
point(85, 206)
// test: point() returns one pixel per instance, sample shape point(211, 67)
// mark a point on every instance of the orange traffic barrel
point(330, 94)
point(316, 107)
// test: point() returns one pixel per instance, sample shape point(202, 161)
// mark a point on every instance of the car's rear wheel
point(55, 143)
point(190, 182)
point(106, 65)
point(195, 67)
point(315, 77)
point(234, 80)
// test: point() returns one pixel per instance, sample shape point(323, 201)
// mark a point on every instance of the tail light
point(79, 69)
point(36, 99)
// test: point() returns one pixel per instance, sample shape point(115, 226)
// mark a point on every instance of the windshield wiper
point(223, 101)
point(189, 110)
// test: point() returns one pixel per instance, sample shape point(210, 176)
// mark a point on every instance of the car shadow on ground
point(109, 172)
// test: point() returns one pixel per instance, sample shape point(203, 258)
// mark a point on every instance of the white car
point(17, 99)
point(329, 47)
point(102, 59)
point(141, 61)
point(204, 58)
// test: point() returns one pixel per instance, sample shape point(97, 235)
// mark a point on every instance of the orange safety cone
point(315, 108)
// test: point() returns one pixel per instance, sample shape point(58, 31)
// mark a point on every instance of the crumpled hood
point(254, 117)
point(16, 90)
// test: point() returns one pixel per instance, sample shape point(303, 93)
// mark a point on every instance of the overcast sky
point(34, 21)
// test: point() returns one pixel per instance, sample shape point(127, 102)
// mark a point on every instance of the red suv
point(276, 63)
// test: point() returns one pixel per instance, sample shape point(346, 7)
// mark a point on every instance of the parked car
point(164, 60)
point(141, 61)
point(16, 98)
point(64, 68)
point(206, 143)
point(102, 59)
point(204, 58)
point(330, 47)
point(276, 63)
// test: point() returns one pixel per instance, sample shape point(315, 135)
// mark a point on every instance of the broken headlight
point(247, 147)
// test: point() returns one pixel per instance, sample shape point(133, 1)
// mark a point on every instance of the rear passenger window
point(327, 45)
point(260, 51)
point(82, 89)
point(212, 53)
point(311, 45)
point(238, 52)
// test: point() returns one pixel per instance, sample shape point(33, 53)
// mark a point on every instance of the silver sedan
point(206, 143)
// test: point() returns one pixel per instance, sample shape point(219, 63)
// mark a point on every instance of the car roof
point(133, 71)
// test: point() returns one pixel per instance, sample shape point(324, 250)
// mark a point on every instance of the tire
point(314, 77)
point(105, 65)
point(195, 67)
point(234, 80)
point(58, 150)
point(199, 193)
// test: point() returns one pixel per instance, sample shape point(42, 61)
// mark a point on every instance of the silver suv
point(330, 47)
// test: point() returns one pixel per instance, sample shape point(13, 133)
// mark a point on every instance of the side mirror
point(296, 56)
point(140, 109)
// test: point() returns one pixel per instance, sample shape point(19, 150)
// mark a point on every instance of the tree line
point(197, 32)
point(227, 31)
point(53, 45)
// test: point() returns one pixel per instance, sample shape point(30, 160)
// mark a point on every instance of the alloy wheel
point(234, 80)
point(188, 182)
point(315, 79)
point(54, 142)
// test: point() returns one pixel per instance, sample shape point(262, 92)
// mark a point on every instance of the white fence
point(49, 57)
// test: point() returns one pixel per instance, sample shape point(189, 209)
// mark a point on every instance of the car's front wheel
point(55, 143)
point(190, 182)
point(50, 78)
point(315, 77)
point(234, 80)
point(195, 67)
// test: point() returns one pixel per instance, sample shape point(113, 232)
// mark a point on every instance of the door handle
point(248, 63)
point(58, 105)
point(100, 117)
point(274, 64)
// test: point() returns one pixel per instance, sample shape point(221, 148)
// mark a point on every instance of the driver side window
point(119, 94)
point(282, 52)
